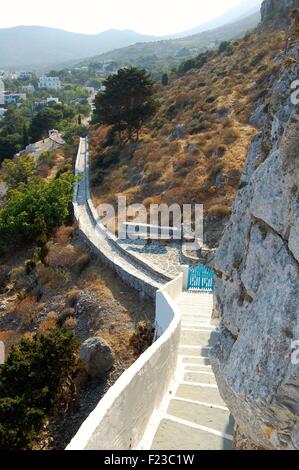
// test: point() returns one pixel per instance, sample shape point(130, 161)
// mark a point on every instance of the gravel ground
point(166, 257)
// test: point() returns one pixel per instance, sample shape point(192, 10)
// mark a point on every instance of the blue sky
point(157, 17)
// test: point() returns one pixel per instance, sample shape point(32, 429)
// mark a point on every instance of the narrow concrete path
point(96, 237)
point(193, 416)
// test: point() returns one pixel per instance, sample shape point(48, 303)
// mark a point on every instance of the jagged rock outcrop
point(257, 288)
point(272, 7)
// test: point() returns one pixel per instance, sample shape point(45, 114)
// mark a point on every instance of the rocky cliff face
point(271, 7)
point(257, 266)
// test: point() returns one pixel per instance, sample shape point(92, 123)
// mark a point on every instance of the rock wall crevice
point(257, 268)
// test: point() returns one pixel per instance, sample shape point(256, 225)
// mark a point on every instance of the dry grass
point(214, 105)
point(49, 323)
point(10, 338)
point(26, 311)
point(121, 307)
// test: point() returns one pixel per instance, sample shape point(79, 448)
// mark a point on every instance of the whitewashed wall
point(93, 231)
point(166, 303)
point(122, 416)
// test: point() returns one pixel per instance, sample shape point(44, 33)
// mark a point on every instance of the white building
point(6, 75)
point(51, 99)
point(27, 88)
point(23, 75)
point(51, 83)
point(14, 98)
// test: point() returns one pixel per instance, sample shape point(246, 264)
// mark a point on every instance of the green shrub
point(194, 63)
point(31, 383)
point(257, 59)
point(165, 79)
point(20, 170)
point(45, 155)
point(35, 208)
point(30, 266)
point(225, 46)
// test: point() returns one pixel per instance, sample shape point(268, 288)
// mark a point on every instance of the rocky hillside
point(157, 56)
point(194, 149)
point(257, 267)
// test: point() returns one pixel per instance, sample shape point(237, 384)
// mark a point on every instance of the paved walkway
point(167, 259)
point(193, 416)
point(105, 245)
point(164, 258)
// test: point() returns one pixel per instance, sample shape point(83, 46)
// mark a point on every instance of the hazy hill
point(154, 55)
point(239, 12)
point(37, 46)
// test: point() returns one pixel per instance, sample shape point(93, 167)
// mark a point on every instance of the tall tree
point(127, 102)
point(11, 134)
point(44, 120)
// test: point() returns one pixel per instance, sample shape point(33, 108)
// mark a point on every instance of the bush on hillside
point(194, 63)
point(31, 382)
point(35, 208)
point(226, 47)
point(20, 170)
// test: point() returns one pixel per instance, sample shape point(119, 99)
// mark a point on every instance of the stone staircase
point(192, 416)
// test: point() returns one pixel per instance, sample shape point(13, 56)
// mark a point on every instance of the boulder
point(97, 356)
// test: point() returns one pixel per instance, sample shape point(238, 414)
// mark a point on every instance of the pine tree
point(127, 102)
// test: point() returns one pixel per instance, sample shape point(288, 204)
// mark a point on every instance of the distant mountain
point(243, 10)
point(36, 46)
point(154, 56)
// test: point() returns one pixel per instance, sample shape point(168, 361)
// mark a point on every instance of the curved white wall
point(121, 417)
point(166, 304)
point(103, 243)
